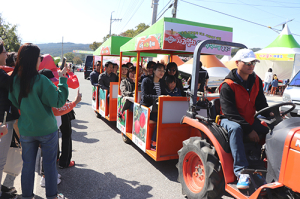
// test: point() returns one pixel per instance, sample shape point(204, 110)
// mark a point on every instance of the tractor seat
point(215, 108)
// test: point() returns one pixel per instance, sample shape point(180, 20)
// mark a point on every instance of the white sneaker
point(42, 182)
point(58, 175)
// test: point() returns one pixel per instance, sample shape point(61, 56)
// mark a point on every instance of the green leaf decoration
point(187, 35)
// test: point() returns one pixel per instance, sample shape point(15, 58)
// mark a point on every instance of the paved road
point(106, 167)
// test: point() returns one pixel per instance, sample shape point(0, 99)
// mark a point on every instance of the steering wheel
point(277, 115)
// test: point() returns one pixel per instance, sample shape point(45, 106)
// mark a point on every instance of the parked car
point(292, 94)
point(88, 67)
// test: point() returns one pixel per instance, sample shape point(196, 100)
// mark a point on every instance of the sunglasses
point(249, 63)
point(41, 58)
point(172, 70)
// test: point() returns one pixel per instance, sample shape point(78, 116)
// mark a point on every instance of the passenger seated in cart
point(94, 76)
point(106, 77)
point(172, 70)
point(171, 86)
point(124, 71)
point(127, 87)
point(149, 68)
point(129, 64)
point(152, 88)
point(116, 68)
point(241, 95)
point(202, 80)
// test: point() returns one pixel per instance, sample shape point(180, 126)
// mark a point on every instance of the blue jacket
point(274, 83)
point(148, 91)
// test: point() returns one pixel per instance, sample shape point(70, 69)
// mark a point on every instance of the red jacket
point(239, 104)
point(245, 102)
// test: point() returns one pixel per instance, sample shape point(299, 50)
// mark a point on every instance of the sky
point(87, 21)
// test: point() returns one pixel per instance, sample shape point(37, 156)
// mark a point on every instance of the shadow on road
point(80, 137)
point(88, 183)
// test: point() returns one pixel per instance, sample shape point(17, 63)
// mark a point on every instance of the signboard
point(150, 42)
point(275, 56)
point(102, 101)
point(94, 98)
point(184, 37)
point(140, 126)
point(121, 121)
point(105, 50)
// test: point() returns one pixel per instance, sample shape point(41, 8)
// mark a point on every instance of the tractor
point(205, 162)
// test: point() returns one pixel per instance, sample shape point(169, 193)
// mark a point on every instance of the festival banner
point(105, 50)
point(121, 121)
point(150, 42)
point(140, 128)
point(275, 56)
point(102, 101)
point(184, 37)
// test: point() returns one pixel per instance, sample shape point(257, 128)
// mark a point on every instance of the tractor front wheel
point(200, 172)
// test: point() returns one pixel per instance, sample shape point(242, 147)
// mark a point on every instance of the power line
point(231, 15)
point(164, 7)
point(132, 15)
point(132, 5)
point(248, 4)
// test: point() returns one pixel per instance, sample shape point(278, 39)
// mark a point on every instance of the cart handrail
point(196, 66)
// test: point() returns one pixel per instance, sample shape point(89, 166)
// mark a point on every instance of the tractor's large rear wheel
point(200, 172)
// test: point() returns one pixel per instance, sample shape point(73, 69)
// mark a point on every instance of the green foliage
point(8, 33)
point(77, 60)
point(70, 56)
point(95, 45)
point(133, 32)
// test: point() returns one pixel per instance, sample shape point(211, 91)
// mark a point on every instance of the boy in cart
point(241, 95)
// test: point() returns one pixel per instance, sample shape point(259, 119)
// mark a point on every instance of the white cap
point(245, 55)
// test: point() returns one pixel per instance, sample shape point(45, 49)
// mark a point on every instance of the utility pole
point(62, 48)
point(154, 11)
point(111, 21)
point(174, 10)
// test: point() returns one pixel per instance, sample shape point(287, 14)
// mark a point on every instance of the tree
point(107, 37)
point(70, 56)
point(95, 45)
point(8, 33)
point(133, 32)
point(77, 60)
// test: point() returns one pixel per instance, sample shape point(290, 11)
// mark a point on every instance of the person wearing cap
point(241, 95)
point(95, 74)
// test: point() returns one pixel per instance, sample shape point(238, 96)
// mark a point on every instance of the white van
point(292, 94)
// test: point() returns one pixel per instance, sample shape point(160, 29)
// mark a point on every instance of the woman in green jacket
point(35, 95)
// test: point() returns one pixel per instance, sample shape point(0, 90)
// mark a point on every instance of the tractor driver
point(241, 95)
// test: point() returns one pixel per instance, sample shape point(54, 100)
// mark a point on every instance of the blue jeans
point(236, 143)
point(266, 86)
point(30, 146)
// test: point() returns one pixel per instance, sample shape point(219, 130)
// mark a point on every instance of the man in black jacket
point(107, 76)
point(94, 76)
point(241, 95)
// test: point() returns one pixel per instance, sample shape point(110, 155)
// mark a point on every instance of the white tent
point(282, 55)
point(216, 70)
point(225, 58)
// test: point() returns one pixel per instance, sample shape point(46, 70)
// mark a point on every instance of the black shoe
point(8, 196)
point(6, 189)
